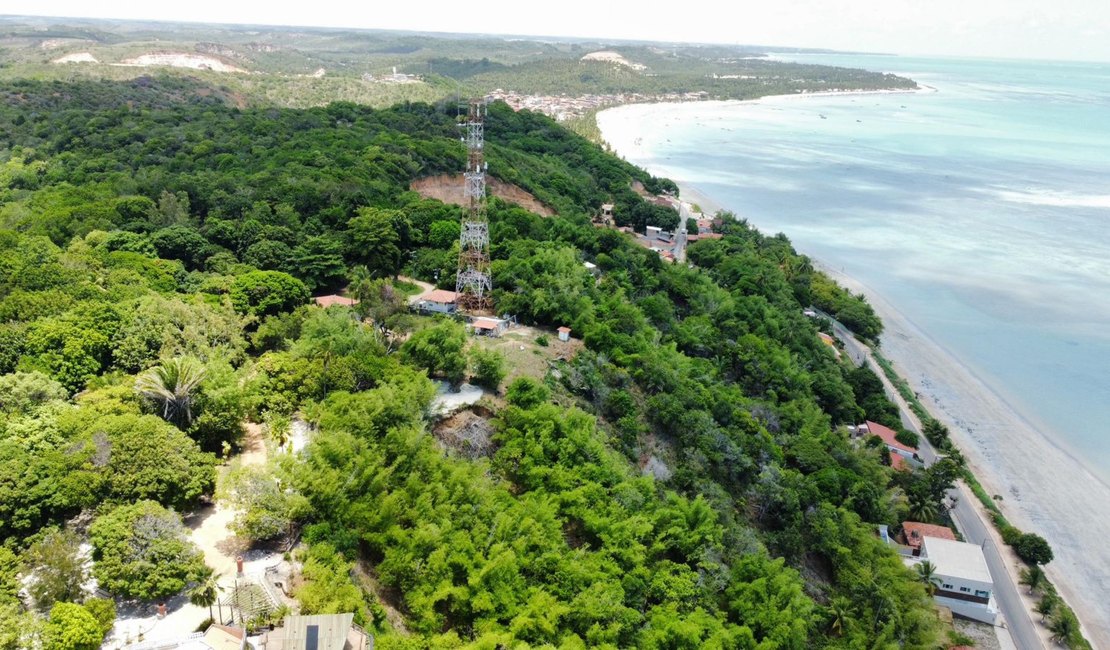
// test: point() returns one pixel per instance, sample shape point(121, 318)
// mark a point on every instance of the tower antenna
point(473, 283)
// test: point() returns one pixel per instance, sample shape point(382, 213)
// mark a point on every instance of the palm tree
point(838, 614)
point(921, 509)
point(1064, 627)
point(1033, 577)
point(1046, 605)
point(926, 573)
point(205, 593)
point(173, 386)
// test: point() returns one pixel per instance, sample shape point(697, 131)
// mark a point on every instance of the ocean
point(979, 210)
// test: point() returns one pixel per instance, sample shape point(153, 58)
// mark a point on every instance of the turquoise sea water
point(980, 211)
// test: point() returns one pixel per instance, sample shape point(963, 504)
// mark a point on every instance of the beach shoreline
point(1037, 477)
point(931, 371)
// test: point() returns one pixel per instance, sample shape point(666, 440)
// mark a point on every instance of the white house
point(964, 582)
point(438, 301)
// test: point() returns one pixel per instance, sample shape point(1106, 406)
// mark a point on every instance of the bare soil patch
point(449, 189)
point(467, 433)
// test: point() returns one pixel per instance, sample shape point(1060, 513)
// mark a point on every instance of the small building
point(915, 532)
point(889, 438)
point(438, 301)
point(963, 580)
point(493, 327)
point(333, 299)
point(564, 334)
point(592, 268)
point(318, 632)
point(829, 341)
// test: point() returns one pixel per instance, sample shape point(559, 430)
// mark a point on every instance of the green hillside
point(155, 235)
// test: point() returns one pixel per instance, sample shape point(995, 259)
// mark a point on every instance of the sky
point(1042, 29)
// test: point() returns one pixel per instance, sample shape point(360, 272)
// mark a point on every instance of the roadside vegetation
point(1033, 549)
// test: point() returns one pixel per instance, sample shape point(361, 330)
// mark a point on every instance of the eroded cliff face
point(449, 189)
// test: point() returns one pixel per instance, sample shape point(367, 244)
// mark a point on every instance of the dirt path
point(211, 533)
point(425, 287)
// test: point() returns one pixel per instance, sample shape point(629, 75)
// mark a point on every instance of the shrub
point(908, 438)
point(143, 551)
point(526, 393)
point(1033, 548)
point(487, 368)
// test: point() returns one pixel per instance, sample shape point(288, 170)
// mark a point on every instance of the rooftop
point(888, 436)
point(487, 323)
point(317, 632)
point(915, 532)
point(440, 295)
point(956, 559)
point(328, 301)
point(897, 462)
point(223, 637)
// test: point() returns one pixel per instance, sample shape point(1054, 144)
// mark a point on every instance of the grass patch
point(407, 288)
point(902, 386)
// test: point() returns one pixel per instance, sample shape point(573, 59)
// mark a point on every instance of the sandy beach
point(1045, 488)
point(1041, 484)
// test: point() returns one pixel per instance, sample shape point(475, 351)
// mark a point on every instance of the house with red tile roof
point(333, 299)
point(915, 533)
point(440, 301)
point(889, 439)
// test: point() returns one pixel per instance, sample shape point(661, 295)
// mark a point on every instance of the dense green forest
point(157, 251)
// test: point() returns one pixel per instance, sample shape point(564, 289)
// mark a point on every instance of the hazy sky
point(1058, 29)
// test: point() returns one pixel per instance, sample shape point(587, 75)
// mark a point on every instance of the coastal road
point(973, 528)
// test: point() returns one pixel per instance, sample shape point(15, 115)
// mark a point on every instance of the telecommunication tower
point(473, 284)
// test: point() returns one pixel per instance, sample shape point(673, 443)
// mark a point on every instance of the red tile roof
point(897, 462)
point(328, 301)
point(888, 436)
point(440, 295)
point(564, 329)
point(915, 531)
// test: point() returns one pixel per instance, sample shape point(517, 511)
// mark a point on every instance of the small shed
point(494, 327)
point(564, 334)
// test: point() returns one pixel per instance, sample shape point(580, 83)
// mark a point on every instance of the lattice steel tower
point(473, 282)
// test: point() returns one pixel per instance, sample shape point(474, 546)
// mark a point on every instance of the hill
point(304, 67)
point(683, 480)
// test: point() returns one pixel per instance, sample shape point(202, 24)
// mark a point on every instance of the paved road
point(967, 519)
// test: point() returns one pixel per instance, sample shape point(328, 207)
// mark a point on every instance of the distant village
point(563, 107)
point(393, 78)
